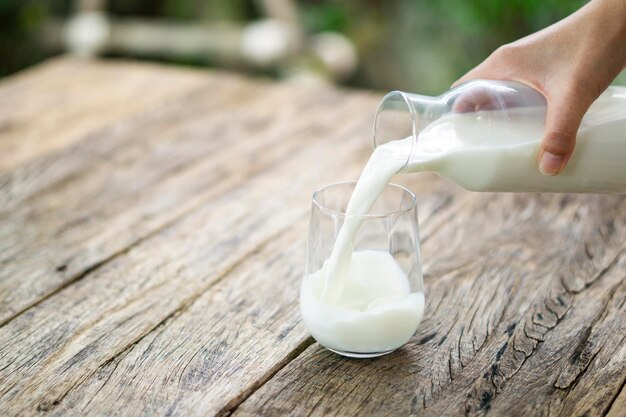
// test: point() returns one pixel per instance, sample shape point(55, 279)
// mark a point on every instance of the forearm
point(610, 23)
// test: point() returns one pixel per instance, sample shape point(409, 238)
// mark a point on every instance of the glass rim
point(342, 214)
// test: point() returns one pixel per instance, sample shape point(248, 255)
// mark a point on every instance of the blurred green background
point(414, 45)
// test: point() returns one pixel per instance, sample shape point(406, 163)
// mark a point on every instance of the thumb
point(562, 122)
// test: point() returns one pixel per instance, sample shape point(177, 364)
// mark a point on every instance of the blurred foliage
point(214, 10)
point(415, 45)
point(317, 17)
point(20, 23)
point(425, 45)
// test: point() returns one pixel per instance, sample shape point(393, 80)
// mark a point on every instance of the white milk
point(385, 162)
point(361, 302)
point(376, 313)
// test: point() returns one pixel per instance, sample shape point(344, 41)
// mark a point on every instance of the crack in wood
point(233, 404)
point(613, 399)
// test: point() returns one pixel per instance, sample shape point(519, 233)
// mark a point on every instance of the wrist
point(609, 17)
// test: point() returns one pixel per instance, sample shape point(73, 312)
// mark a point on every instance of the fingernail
point(550, 164)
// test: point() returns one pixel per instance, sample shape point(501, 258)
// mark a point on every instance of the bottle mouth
point(396, 118)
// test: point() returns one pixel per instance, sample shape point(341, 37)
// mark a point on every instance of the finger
point(482, 95)
point(562, 122)
point(476, 98)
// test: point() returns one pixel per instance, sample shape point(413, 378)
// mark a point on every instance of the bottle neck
point(401, 116)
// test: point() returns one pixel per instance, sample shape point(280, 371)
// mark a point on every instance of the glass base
point(360, 355)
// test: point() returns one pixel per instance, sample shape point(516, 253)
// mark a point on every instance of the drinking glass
point(382, 296)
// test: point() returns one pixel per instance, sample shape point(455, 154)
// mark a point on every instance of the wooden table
point(152, 230)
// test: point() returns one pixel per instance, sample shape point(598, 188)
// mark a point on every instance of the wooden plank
point(60, 157)
point(55, 345)
point(525, 316)
point(165, 164)
point(618, 405)
point(216, 351)
point(85, 209)
point(59, 102)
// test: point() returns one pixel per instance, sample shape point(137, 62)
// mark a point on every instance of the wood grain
point(118, 187)
point(49, 107)
point(60, 342)
point(152, 228)
point(218, 350)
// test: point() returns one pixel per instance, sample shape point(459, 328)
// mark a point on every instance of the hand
point(571, 63)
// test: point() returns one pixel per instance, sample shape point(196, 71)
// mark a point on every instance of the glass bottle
point(485, 136)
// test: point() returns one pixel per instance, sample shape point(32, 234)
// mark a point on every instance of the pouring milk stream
point(484, 136)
